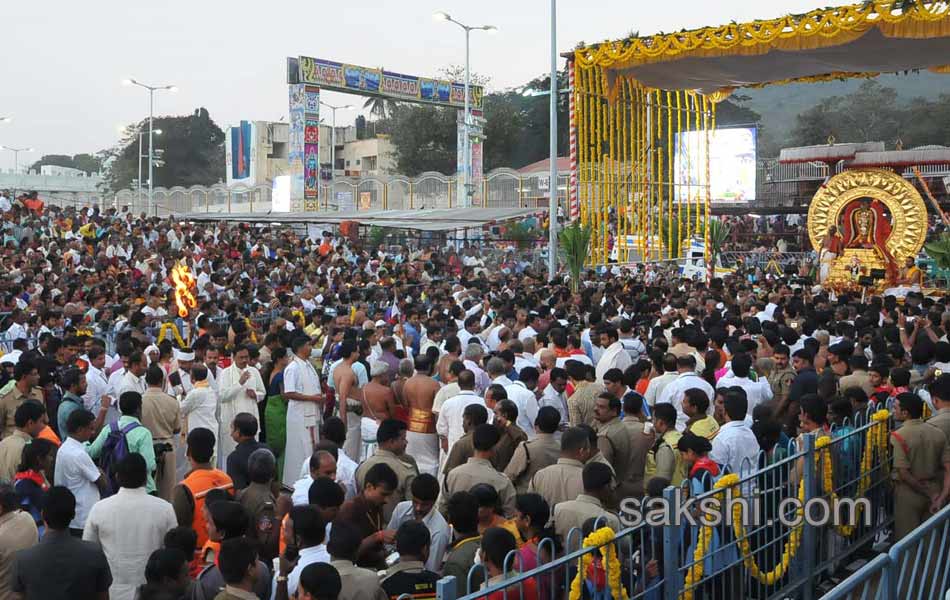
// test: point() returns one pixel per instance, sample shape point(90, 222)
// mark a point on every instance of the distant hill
point(779, 105)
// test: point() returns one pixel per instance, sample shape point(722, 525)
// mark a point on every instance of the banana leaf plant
point(575, 245)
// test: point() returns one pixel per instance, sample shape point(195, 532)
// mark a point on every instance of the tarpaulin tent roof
point(861, 40)
point(433, 219)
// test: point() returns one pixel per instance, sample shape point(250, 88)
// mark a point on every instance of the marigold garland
point(163, 331)
point(875, 439)
point(250, 328)
point(835, 25)
point(602, 537)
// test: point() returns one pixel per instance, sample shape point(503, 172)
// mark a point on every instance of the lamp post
point(151, 105)
point(16, 156)
point(467, 117)
point(333, 110)
point(139, 161)
point(552, 188)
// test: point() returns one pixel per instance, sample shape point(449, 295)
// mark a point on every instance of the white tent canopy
point(435, 219)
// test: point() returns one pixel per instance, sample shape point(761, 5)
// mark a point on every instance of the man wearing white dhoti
point(304, 402)
point(240, 388)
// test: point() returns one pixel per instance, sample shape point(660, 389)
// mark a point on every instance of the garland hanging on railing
point(875, 439)
point(602, 537)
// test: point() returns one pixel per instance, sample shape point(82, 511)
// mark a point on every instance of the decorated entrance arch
point(306, 76)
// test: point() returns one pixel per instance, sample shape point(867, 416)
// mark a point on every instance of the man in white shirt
point(310, 535)
point(614, 356)
point(199, 407)
point(17, 329)
point(321, 464)
point(240, 388)
point(133, 380)
point(75, 469)
point(522, 358)
point(129, 526)
point(519, 394)
point(449, 425)
point(757, 392)
point(302, 389)
point(97, 384)
point(554, 395)
point(659, 383)
point(425, 492)
point(735, 446)
point(473, 357)
point(530, 331)
point(687, 379)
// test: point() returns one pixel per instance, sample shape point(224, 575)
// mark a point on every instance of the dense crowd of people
point(333, 420)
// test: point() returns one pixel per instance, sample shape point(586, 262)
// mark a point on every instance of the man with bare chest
point(349, 396)
point(420, 391)
point(379, 401)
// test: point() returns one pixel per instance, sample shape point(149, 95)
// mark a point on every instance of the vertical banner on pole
point(575, 207)
point(296, 146)
point(475, 171)
point(460, 159)
point(476, 140)
point(303, 153)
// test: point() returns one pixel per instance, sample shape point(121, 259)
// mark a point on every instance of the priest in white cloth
point(240, 388)
point(304, 407)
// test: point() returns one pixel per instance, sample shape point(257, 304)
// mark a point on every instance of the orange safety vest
point(199, 482)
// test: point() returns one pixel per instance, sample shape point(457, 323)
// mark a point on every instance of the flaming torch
point(184, 284)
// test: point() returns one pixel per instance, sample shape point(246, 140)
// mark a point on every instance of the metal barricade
point(914, 568)
point(635, 548)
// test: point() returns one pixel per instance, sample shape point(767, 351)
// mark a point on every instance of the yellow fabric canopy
point(860, 40)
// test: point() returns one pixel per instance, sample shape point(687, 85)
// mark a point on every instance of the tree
point(380, 107)
point(86, 163)
point(423, 138)
point(457, 73)
point(869, 114)
point(193, 153)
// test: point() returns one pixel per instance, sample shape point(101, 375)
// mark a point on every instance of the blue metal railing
point(667, 550)
point(915, 568)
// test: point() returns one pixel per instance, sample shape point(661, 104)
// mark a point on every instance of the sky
point(64, 61)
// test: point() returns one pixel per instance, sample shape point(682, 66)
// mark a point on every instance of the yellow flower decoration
point(163, 332)
point(875, 440)
point(602, 537)
point(250, 328)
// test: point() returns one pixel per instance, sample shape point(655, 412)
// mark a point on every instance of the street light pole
point(151, 153)
point(151, 106)
point(552, 186)
point(139, 161)
point(466, 117)
point(16, 156)
point(333, 110)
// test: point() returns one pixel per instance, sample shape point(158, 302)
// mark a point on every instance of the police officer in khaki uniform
point(921, 466)
point(612, 437)
point(563, 480)
point(641, 440)
point(940, 395)
point(589, 505)
point(533, 455)
point(782, 375)
point(343, 547)
point(479, 469)
point(663, 459)
point(161, 415)
point(391, 437)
